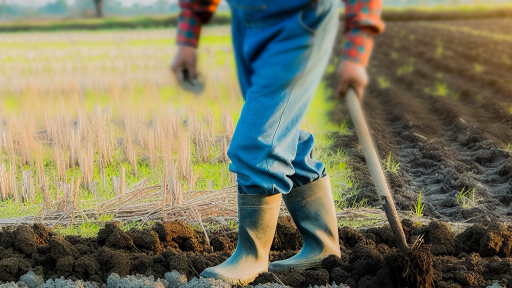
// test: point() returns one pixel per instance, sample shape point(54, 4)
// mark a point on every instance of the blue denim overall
point(281, 49)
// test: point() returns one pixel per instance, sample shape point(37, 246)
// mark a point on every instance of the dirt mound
point(146, 240)
point(112, 251)
point(490, 240)
point(369, 258)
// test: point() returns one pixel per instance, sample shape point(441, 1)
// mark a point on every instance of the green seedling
point(391, 165)
point(358, 205)
point(466, 198)
point(383, 82)
point(463, 193)
point(455, 95)
point(439, 49)
point(340, 174)
point(345, 128)
point(419, 206)
point(86, 229)
point(106, 217)
point(407, 68)
point(478, 68)
point(233, 224)
point(441, 89)
point(346, 198)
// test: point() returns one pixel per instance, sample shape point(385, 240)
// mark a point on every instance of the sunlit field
point(89, 117)
point(103, 155)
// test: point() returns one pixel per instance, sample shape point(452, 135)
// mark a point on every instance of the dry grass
point(98, 115)
point(102, 109)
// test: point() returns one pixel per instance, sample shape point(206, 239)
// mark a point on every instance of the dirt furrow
point(486, 176)
point(448, 125)
point(422, 166)
point(499, 26)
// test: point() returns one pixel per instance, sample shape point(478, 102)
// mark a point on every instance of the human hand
point(185, 63)
point(351, 74)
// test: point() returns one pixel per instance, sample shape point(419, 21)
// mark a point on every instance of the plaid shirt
point(362, 22)
point(194, 13)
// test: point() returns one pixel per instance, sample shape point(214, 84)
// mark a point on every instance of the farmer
point(281, 50)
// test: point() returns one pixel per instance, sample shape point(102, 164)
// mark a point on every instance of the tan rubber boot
point(257, 220)
point(312, 209)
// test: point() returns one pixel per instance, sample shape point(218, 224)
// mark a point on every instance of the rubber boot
point(257, 220)
point(312, 209)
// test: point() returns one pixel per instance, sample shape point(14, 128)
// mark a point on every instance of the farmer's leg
point(268, 151)
point(257, 214)
point(311, 204)
point(243, 69)
point(307, 169)
point(279, 68)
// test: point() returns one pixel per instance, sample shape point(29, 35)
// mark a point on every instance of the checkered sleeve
point(194, 13)
point(362, 23)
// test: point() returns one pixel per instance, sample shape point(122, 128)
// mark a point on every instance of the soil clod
point(369, 258)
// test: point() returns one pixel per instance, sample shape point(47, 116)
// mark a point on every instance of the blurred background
point(12, 10)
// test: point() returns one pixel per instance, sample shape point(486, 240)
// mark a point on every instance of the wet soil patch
point(369, 258)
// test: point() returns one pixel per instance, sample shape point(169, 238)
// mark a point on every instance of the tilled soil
point(439, 102)
point(369, 258)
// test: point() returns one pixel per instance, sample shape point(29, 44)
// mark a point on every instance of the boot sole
point(231, 281)
point(298, 266)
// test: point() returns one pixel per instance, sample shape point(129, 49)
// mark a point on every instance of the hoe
point(372, 159)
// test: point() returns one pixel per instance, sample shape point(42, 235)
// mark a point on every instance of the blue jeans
point(280, 60)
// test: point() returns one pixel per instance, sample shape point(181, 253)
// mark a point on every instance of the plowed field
point(440, 102)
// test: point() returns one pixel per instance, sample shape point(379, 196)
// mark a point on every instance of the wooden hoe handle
point(372, 159)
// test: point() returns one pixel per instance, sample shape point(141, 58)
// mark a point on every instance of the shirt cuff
point(358, 46)
point(189, 29)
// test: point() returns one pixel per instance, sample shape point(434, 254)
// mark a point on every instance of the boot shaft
point(258, 216)
point(312, 209)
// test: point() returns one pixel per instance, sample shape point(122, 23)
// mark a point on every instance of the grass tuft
point(419, 206)
point(383, 82)
point(466, 198)
point(345, 128)
point(391, 165)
